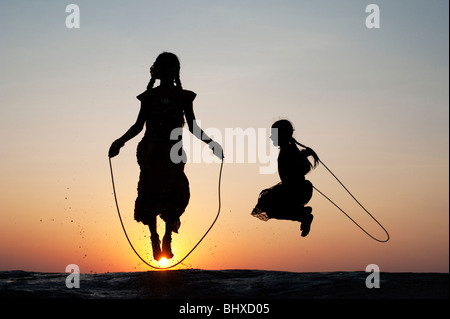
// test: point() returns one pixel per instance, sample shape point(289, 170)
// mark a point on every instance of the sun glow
point(163, 262)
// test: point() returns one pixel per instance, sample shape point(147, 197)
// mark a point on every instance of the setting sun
point(163, 262)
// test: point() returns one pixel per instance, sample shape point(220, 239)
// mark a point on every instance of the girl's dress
point(163, 188)
point(286, 200)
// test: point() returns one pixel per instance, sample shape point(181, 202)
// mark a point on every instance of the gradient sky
point(373, 103)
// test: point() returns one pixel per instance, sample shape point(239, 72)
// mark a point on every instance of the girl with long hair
point(287, 199)
point(163, 188)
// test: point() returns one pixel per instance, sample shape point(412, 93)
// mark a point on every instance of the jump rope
point(218, 213)
point(198, 243)
point(354, 198)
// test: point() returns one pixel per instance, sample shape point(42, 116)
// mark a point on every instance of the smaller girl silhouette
point(286, 200)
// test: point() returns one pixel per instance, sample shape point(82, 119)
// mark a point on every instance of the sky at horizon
point(373, 103)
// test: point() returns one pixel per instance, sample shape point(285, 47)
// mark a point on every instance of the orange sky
point(372, 103)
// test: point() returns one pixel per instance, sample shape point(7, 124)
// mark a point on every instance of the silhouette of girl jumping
point(163, 188)
point(287, 199)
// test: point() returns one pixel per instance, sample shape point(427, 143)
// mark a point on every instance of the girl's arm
point(310, 152)
point(134, 130)
point(198, 132)
point(193, 126)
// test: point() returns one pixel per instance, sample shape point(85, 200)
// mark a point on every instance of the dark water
point(195, 284)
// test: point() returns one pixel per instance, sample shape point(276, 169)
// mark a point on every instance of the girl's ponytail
point(312, 153)
point(178, 82)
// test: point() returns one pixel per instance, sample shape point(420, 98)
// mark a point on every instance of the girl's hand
point(217, 149)
point(114, 149)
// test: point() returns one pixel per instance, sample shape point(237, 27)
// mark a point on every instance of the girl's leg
point(167, 240)
point(303, 216)
point(296, 215)
point(291, 217)
point(156, 243)
point(306, 221)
